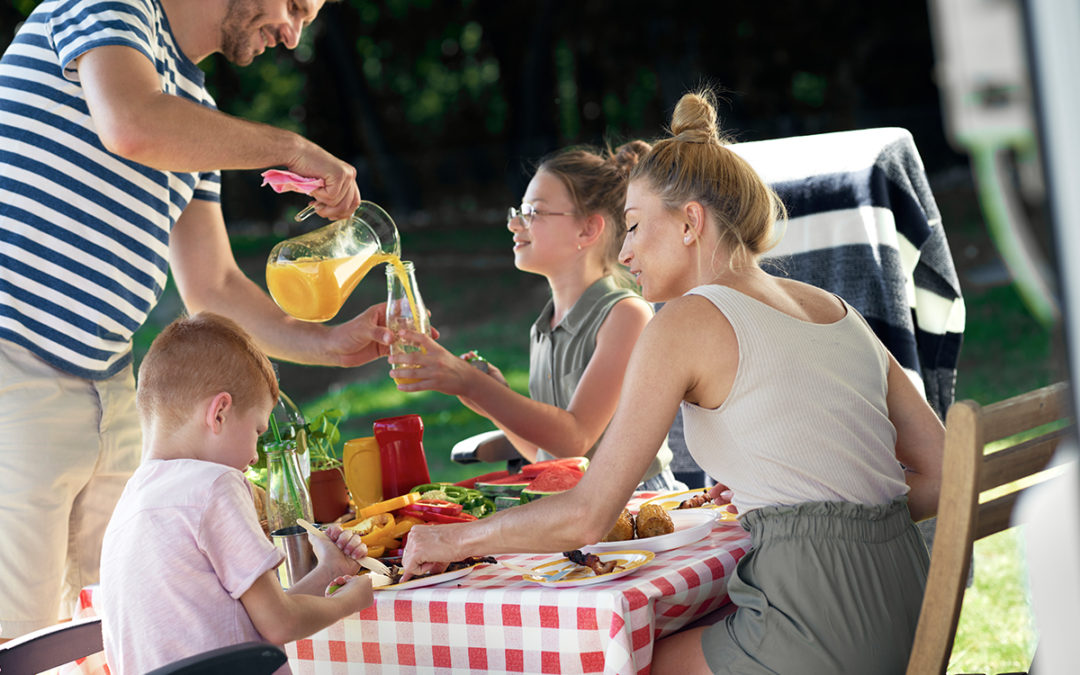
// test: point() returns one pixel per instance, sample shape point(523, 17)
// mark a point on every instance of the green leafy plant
point(322, 435)
point(319, 438)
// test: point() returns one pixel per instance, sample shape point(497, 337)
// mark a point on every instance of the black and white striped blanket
point(863, 224)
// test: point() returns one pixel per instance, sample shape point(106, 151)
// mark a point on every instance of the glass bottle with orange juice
point(404, 309)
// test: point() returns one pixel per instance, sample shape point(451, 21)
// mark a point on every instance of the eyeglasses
point(527, 212)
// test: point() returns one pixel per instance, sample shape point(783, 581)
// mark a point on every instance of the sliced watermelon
point(508, 486)
point(578, 464)
point(555, 479)
point(483, 478)
point(503, 503)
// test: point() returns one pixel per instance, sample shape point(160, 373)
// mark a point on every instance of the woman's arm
point(531, 424)
point(920, 441)
point(660, 372)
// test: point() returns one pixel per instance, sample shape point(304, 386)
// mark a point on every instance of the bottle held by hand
point(404, 309)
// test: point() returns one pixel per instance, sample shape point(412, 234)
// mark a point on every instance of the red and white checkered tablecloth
point(493, 621)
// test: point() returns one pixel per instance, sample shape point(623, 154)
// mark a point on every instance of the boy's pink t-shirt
point(182, 546)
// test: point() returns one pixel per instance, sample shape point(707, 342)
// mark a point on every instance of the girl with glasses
point(568, 229)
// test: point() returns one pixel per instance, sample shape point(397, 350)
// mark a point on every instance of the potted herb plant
point(329, 494)
point(316, 448)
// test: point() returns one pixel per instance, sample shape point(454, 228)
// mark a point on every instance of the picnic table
point(493, 620)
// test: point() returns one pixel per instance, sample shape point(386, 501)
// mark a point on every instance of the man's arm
point(208, 278)
point(135, 119)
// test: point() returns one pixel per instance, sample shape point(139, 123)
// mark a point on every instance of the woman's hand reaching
point(721, 496)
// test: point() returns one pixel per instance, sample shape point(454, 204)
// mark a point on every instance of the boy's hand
point(341, 549)
point(348, 541)
point(354, 588)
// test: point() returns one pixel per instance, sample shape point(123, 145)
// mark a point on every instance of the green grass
point(996, 633)
point(1005, 352)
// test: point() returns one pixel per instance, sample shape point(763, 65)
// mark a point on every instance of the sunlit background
point(444, 106)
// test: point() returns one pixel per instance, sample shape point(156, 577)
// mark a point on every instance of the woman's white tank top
point(806, 419)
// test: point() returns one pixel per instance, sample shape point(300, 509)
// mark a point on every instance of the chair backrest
point(1023, 435)
point(51, 647)
point(246, 658)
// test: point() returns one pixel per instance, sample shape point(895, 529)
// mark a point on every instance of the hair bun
point(694, 119)
point(627, 155)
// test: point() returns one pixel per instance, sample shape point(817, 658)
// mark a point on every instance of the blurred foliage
point(443, 105)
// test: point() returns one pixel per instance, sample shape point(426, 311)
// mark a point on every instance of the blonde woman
point(788, 398)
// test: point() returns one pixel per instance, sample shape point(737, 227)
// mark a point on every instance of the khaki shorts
point(829, 587)
point(67, 447)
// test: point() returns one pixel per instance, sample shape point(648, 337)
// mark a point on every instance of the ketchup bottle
point(401, 454)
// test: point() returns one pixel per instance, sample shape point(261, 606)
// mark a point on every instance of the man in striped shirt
point(110, 152)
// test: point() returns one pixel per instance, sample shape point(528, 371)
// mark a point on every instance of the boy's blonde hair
point(195, 358)
point(693, 164)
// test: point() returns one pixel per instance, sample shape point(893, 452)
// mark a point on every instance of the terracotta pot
point(329, 496)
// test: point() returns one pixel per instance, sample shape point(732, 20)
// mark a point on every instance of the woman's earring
point(686, 239)
point(579, 247)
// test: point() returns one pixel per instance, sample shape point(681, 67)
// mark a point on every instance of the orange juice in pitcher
point(311, 276)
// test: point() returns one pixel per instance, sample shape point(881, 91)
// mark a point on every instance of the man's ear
point(592, 230)
point(219, 407)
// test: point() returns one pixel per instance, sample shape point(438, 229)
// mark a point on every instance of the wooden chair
point(246, 658)
point(51, 647)
point(1028, 446)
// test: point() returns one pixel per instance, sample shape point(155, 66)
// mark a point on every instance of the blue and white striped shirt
point(84, 233)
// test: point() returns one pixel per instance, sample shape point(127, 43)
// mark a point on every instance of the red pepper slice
point(437, 517)
point(437, 506)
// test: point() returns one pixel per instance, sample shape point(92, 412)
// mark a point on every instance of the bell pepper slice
point(437, 506)
point(388, 505)
point(435, 517)
point(367, 525)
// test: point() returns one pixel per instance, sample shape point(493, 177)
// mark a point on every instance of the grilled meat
point(695, 501)
point(591, 561)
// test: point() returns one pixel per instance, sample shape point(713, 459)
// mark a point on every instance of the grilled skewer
point(591, 561)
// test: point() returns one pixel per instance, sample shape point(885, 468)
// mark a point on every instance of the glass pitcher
point(404, 309)
point(310, 276)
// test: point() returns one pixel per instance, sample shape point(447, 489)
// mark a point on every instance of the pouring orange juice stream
point(314, 290)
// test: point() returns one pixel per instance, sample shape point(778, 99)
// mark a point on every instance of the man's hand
point(361, 339)
point(339, 197)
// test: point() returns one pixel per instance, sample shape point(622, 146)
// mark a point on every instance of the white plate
point(690, 525)
point(581, 576)
point(430, 580)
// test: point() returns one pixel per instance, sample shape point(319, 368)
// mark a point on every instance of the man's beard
point(237, 36)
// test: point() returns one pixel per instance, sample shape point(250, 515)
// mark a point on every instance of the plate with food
point(656, 534)
point(579, 568)
point(690, 499)
point(456, 570)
